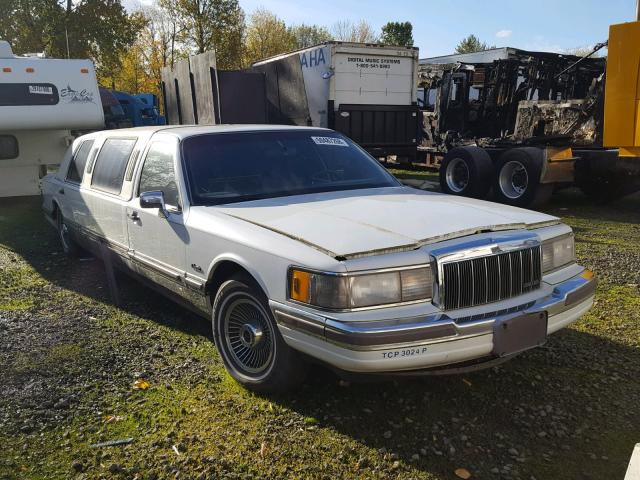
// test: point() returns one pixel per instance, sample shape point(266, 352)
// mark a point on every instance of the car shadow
point(523, 419)
point(24, 230)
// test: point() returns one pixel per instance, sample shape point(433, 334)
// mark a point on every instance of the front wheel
point(250, 344)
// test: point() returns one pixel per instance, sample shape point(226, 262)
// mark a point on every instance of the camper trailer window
point(8, 147)
point(78, 162)
point(23, 94)
point(111, 164)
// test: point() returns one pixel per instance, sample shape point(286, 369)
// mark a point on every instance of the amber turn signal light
point(300, 283)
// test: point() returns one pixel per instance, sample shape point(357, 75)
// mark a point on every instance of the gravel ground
point(70, 359)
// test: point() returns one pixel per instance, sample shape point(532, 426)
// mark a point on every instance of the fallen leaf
point(263, 449)
point(462, 473)
point(141, 384)
point(112, 419)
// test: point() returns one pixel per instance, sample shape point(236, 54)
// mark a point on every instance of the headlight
point(558, 252)
point(342, 292)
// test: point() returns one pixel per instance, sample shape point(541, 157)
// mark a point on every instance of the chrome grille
point(481, 280)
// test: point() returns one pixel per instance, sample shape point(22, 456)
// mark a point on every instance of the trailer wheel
point(517, 179)
point(466, 171)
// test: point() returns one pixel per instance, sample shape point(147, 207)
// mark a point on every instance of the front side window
point(158, 173)
point(78, 162)
point(108, 172)
point(236, 167)
point(8, 147)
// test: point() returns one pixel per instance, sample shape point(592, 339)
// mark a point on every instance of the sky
point(545, 25)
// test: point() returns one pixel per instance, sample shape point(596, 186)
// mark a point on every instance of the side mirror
point(154, 199)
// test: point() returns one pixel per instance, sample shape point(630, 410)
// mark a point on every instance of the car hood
point(356, 223)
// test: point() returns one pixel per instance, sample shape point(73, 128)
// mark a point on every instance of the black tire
point(466, 171)
point(604, 185)
point(250, 344)
point(517, 178)
point(69, 245)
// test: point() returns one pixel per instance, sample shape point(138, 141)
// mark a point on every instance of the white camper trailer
point(41, 101)
point(366, 91)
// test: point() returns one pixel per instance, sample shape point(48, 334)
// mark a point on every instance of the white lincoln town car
point(298, 245)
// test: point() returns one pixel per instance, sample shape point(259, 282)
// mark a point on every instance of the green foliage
point(97, 29)
point(309, 35)
point(211, 24)
point(267, 35)
point(397, 33)
point(472, 44)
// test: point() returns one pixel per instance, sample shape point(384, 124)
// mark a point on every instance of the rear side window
point(111, 164)
point(158, 173)
point(8, 147)
point(79, 161)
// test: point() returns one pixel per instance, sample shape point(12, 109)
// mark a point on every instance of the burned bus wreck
point(519, 124)
point(528, 98)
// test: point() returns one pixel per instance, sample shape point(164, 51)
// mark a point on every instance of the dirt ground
point(69, 359)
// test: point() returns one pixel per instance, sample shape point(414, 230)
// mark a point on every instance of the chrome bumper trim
point(435, 328)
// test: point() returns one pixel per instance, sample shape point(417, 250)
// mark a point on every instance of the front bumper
point(436, 340)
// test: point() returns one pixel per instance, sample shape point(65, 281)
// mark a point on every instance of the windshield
point(236, 167)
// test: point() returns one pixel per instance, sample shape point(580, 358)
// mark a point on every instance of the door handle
point(134, 216)
point(61, 191)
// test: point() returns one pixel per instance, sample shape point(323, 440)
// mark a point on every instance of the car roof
point(183, 131)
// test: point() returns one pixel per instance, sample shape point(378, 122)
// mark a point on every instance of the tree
point(156, 46)
point(348, 31)
point(472, 44)
point(34, 26)
point(97, 29)
point(211, 25)
point(582, 52)
point(397, 33)
point(267, 35)
point(309, 35)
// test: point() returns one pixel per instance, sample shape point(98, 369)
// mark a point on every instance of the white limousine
point(298, 245)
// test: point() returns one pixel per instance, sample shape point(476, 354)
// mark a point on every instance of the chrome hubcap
point(513, 179)
point(64, 232)
point(457, 175)
point(249, 335)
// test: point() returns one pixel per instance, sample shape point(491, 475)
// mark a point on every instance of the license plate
point(519, 333)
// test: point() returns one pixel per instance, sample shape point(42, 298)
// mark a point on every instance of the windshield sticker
point(40, 90)
point(330, 141)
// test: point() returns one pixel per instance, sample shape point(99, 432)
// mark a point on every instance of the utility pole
point(637, 10)
point(66, 25)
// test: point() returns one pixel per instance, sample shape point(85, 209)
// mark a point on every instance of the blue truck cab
point(141, 109)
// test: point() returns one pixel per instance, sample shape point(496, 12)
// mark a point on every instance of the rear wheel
point(517, 180)
point(69, 246)
point(249, 342)
point(466, 171)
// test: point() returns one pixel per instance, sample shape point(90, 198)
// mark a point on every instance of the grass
point(69, 359)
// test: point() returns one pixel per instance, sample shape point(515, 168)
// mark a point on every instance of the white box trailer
point(41, 101)
point(366, 91)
